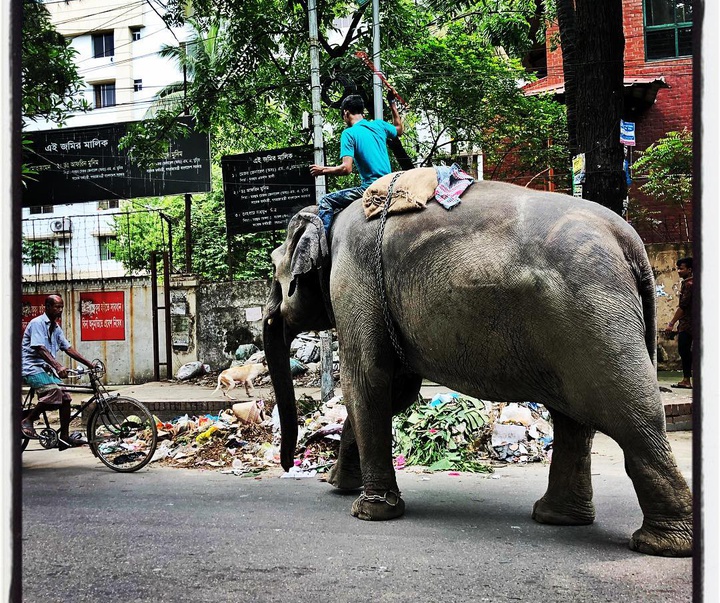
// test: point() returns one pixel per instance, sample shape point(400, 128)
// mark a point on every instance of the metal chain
point(384, 498)
point(379, 272)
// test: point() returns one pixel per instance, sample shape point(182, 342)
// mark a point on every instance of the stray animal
point(239, 374)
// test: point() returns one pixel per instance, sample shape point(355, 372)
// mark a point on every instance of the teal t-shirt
point(366, 143)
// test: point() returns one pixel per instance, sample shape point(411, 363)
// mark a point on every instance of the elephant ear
point(311, 249)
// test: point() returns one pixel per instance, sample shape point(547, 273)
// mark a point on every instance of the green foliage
point(51, 86)
point(139, 232)
point(441, 437)
point(247, 67)
point(38, 252)
point(248, 76)
point(468, 93)
point(667, 166)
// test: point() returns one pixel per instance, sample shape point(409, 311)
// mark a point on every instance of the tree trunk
point(566, 23)
point(593, 47)
point(600, 46)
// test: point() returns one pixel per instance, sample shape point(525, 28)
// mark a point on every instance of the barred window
point(668, 28)
point(104, 245)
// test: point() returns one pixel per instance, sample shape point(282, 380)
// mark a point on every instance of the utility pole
point(327, 389)
point(377, 84)
point(188, 233)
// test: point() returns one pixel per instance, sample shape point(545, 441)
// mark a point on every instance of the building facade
point(117, 44)
point(658, 96)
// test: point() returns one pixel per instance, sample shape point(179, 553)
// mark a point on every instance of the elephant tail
point(646, 287)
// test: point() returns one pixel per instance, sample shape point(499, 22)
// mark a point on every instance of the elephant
point(514, 295)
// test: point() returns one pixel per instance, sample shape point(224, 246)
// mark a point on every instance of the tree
point(247, 72)
point(38, 252)
point(140, 232)
point(247, 83)
point(468, 93)
point(667, 167)
point(593, 45)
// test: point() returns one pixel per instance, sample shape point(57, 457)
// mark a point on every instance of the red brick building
point(658, 95)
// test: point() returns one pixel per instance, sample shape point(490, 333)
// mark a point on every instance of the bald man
point(42, 340)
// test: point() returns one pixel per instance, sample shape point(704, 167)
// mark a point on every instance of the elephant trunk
point(277, 355)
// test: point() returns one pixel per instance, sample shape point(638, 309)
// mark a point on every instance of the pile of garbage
point(521, 433)
point(245, 439)
point(450, 432)
point(238, 438)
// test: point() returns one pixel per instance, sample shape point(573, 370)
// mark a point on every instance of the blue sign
point(627, 133)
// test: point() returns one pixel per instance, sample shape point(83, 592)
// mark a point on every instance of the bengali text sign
point(264, 190)
point(102, 316)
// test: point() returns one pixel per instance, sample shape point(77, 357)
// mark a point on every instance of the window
point(104, 245)
point(137, 85)
point(668, 28)
point(104, 95)
point(109, 204)
point(135, 32)
point(41, 209)
point(103, 44)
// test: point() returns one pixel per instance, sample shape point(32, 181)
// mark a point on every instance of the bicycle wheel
point(24, 440)
point(122, 434)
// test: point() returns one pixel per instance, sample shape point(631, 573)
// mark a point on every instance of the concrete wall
point(225, 319)
point(662, 258)
point(129, 360)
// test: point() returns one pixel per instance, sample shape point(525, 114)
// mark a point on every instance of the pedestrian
point(683, 319)
point(363, 143)
point(42, 340)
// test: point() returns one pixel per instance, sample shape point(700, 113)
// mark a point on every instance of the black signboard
point(263, 190)
point(75, 165)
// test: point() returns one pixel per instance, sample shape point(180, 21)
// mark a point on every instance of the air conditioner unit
point(61, 225)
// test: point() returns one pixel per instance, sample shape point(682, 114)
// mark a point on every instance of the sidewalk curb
point(170, 399)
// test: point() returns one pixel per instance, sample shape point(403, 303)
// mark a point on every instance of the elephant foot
point(666, 542)
point(344, 480)
point(378, 507)
point(582, 514)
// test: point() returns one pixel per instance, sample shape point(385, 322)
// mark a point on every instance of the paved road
point(178, 535)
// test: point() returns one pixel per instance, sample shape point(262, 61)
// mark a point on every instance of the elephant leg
point(346, 473)
point(371, 388)
point(662, 492)
point(568, 499)
point(637, 424)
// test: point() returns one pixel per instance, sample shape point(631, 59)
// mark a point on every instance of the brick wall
point(672, 111)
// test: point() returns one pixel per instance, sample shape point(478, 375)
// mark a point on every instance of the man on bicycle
point(42, 340)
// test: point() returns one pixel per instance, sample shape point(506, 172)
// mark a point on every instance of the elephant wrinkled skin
point(513, 295)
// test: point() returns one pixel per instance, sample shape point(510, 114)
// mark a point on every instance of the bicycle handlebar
point(97, 369)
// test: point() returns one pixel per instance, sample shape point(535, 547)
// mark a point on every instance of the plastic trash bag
point(297, 367)
point(244, 351)
point(256, 358)
point(308, 352)
point(190, 370)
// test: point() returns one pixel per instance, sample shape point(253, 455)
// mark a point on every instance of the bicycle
point(121, 431)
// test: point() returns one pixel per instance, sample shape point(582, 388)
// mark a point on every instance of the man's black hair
point(687, 262)
point(354, 104)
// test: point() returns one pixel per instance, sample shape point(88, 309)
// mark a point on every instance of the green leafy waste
point(442, 435)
